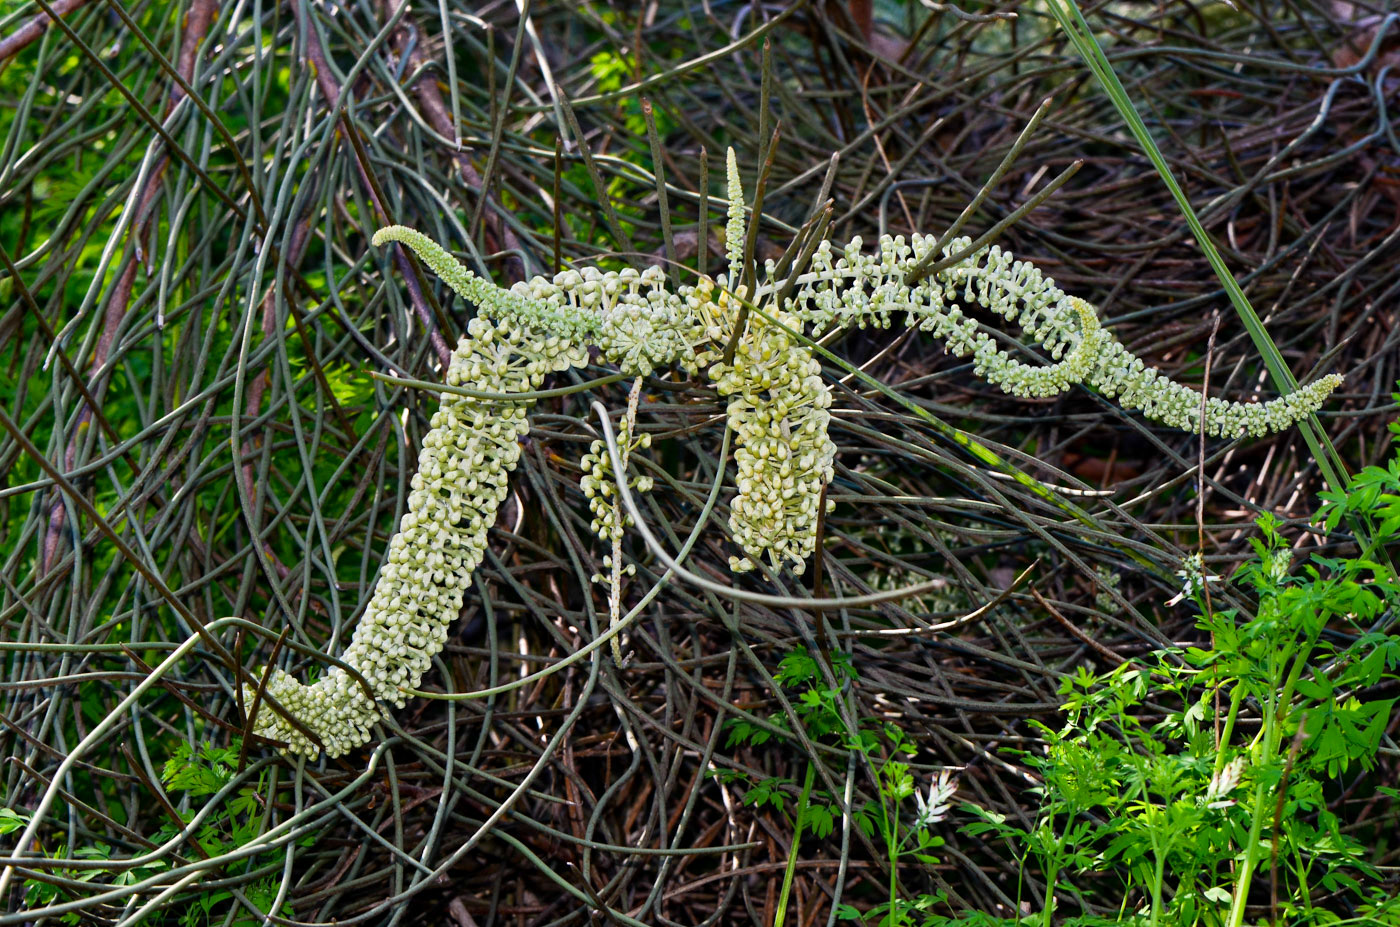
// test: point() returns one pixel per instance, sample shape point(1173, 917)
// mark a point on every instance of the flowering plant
point(779, 409)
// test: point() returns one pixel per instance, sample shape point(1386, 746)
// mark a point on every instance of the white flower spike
point(939, 802)
point(779, 406)
point(1193, 576)
point(1225, 782)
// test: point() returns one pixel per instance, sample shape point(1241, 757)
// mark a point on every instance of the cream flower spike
point(778, 405)
point(778, 409)
point(461, 480)
point(863, 289)
point(735, 231)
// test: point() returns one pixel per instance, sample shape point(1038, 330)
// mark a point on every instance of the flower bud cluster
point(864, 289)
point(461, 481)
point(778, 408)
point(874, 287)
point(1225, 781)
point(633, 319)
point(630, 315)
point(735, 233)
point(1119, 374)
point(599, 484)
point(519, 304)
point(1109, 582)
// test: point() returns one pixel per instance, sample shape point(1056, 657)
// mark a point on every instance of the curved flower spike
point(778, 404)
point(863, 289)
point(461, 480)
point(734, 230)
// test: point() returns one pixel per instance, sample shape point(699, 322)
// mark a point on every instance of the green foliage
point(612, 71)
point(205, 770)
point(1170, 808)
point(11, 821)
point(201, 770)
point(196, 772)
point(885, 749)
point(767, 792)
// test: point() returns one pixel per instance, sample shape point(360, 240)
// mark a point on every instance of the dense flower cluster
point(640, 325)
point(632, 318)
point(735, 232)
point(599, 484)
point(461, 480)
point(778, 409)
point(866, 289)
point(1225, 781)
point(778, 405)
point(860, 289)
point(1193, 576)
point(939, 802)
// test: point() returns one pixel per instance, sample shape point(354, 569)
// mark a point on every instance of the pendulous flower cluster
point(778, 408)
point(778, 405)
point(461, 481)
point(599, 484)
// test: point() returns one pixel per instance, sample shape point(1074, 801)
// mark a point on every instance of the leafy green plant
point(896, 789)
point(205, 770)
point(613, 70)
point(191, 772)
point(886, 817)
point(11, 821)
point(817, 712)
point(1184, 814)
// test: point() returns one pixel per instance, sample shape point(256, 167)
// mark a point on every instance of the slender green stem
point(1285, 700)
point(1052, 872)
point(1246, 874)
point(1236, 698)
point(1158, 876)
point(1275, 713)
point(791, 869)
point(892, 842)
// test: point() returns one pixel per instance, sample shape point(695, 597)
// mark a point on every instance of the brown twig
point(1077, 632)
point(25, 35)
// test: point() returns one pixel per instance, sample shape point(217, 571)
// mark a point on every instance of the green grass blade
point(1070, 18)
